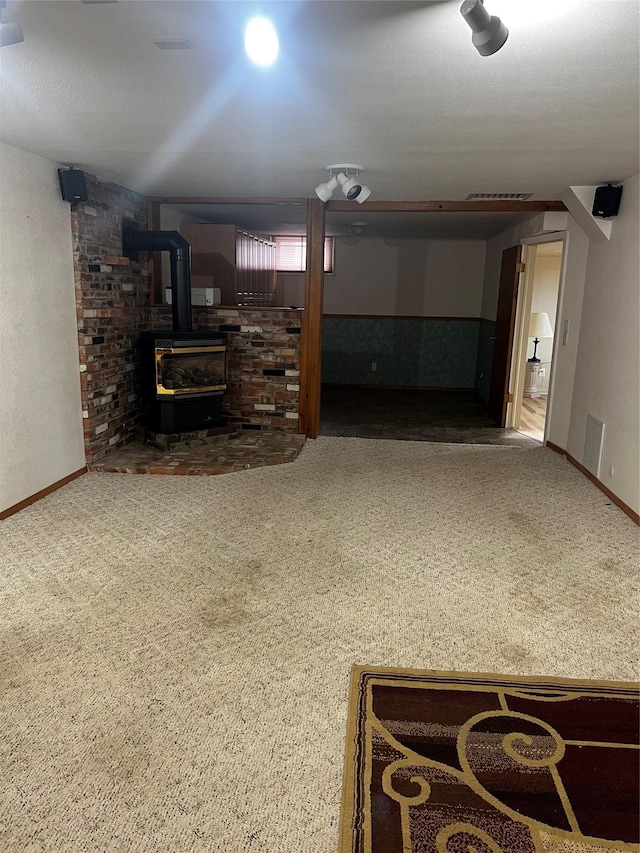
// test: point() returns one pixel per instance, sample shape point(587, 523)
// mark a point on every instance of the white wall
point(40, 412)
point(607, 381)
point(493, 260)
point(430, 278)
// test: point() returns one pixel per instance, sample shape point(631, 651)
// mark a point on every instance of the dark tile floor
point(458, 417)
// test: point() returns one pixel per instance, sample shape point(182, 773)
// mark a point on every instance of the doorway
point(534, 339)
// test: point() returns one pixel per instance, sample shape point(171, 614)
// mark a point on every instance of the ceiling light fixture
point(356, 228)
point(489, 33)
point(10, 32)
point(325, 191)
point(348, 176)
point(261, 41)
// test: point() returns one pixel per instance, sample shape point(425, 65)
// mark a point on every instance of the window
point(291, 254)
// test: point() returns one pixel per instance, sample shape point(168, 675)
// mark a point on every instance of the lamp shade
point(539, 326)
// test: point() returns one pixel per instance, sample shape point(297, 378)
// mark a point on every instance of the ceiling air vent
point(174, 44)
point(498, 196)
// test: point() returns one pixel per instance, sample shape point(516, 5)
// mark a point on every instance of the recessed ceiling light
point(261, 41)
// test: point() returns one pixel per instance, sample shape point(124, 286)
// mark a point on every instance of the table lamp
point(539, 327)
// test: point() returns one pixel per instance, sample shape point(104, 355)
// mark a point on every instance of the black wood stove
point(184, 371)
point(184, 376)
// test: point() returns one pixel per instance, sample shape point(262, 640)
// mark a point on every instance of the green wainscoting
point(485, 358)
point(416, 351)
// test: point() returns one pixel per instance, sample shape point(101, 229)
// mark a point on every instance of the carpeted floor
point(175, 651)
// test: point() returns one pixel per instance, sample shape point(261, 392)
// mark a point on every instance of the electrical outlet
point(542, 372)
point(374, 366)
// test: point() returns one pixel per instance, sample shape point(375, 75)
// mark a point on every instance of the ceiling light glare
point(261, 42)
point(526, 15)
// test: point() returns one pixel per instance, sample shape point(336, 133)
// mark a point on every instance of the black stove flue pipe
point(134, 241)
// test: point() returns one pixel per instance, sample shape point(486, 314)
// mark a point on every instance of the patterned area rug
point(455, 763)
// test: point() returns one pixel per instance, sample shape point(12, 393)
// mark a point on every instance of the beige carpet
point(175, 651)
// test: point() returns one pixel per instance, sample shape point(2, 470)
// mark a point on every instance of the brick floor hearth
point(237, 452)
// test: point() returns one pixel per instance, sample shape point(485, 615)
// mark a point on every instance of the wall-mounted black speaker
point(73, 185)
point(606, 201)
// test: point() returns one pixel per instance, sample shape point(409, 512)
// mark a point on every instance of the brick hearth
point(241, 451)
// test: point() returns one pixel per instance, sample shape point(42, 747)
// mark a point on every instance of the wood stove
point(184, 376)
point(184, 372)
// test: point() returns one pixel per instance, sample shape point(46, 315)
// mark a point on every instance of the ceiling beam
point(384, 206)
point(447, 206)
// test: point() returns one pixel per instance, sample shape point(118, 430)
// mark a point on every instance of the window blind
point(291, 254)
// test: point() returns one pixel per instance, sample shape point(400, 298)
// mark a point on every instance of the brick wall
point(112, 302)
point(263, 360)
point(112, 298)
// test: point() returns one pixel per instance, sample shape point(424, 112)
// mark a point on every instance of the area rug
point(444, 762)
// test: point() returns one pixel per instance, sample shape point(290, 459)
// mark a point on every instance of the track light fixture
point(347, 175)
point(10, 32)
point(325, 191)
point(489, 33)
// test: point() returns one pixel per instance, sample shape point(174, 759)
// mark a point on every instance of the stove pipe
point(134, 241)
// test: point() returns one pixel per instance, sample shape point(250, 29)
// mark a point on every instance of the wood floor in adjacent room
point(534, 413)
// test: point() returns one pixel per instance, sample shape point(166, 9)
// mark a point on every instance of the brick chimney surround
point(113, 308)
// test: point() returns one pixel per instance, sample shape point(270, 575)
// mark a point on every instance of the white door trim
point(520, 338)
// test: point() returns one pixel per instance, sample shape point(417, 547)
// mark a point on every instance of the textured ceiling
point(395, 86)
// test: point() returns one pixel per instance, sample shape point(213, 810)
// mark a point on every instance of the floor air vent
point(498, 196)
point(593, 445)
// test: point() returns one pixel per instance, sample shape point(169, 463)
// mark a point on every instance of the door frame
point(521, 337)
point(511, 271)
